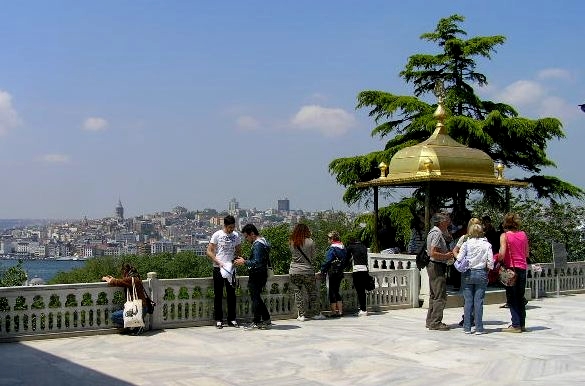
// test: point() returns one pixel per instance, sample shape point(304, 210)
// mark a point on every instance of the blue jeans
point(117, 317)
point(474, 283)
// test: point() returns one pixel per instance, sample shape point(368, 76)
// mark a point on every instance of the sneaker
point(480, 332)
point(301, 318)
point(362, 313)
point(218, 325)
point(440, 327)
point(233, 323)
point(467, 331)
point(512, 329)
point(252, 326)
point(523, 329)
point(265, 325)
point(504, 306)
point(318, 317)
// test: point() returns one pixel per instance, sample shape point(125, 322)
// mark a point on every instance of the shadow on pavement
point(23, 365)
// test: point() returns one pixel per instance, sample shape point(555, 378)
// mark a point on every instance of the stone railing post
point(424, 290)
point(156, 295)
point(415, 284)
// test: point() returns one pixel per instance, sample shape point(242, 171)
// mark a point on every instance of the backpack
point(422, 258)
point(337, 264)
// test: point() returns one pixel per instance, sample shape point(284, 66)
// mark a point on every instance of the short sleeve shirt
point(436, 239)
point(225, 245)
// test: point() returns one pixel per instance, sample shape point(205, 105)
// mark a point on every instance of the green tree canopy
point(493, 127)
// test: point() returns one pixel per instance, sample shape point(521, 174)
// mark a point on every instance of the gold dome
point(441, 157)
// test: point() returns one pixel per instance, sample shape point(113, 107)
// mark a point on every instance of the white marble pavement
point(380, 349)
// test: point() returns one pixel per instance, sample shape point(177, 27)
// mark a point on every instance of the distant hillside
point(21, 223)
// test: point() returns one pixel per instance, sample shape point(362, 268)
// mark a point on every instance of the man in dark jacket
point(257, 275)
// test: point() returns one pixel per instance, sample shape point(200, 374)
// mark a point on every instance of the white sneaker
point(318, 317)
point(301, 319)
point(362, 313)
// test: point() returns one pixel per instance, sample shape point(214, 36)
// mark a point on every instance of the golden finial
point(383, 167)
point(439, 113)
point(499, 170)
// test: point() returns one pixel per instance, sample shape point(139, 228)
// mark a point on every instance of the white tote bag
point(133, 309)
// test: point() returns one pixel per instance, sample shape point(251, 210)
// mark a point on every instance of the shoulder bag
point(305, 256)
point(133, 309)
point(462, 265)
point(508, 275)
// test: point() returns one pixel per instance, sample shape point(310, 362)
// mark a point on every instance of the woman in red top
point(514, 252)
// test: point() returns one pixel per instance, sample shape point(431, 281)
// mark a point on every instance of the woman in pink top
point(514, 252)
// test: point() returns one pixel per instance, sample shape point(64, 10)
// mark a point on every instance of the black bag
point(422, 258)
point(150, 305)
point(371, 283)
point(337, 264)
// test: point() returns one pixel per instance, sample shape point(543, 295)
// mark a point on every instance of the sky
point(193, 103)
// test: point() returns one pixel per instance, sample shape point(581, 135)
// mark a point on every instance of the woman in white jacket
point(478, 251)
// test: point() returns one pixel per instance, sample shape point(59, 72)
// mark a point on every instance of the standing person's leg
point(439, 292)
point(231, 301)
point(467, 287)
point(262, 309)
point(334, 283)
point(297, 281)
point(481, 282)
point(314, 308)
point(431, 271)
point(359, 283)
point(516, 304)
point(217, 296)
point(521, 285)
point(338, 297)
point(255, 290)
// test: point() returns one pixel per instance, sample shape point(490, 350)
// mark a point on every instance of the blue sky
point(191, 103)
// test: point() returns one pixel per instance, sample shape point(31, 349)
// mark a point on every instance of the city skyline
point(165, 104)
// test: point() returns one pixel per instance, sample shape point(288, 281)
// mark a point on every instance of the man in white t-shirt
point(223, 247)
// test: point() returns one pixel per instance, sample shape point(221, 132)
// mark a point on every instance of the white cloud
point(9, 118)
point(55, 158)
point(553, 106)
point(331, 122)
point(95, 124)
point(246, 122)
point(554, 73)
point(522, 93)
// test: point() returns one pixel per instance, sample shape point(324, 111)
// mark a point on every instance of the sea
point(43, 269)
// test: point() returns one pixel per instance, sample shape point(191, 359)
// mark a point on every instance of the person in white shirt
point(223, 248)
point(478, 251)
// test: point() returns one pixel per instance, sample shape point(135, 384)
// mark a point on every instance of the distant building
point(284, 205)
point(161, 246)
point(233, 207)
point(120, 211)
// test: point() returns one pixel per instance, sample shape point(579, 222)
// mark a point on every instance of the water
point(44, 269)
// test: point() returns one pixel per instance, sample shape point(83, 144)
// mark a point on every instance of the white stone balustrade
point(75, 309)
point(49, 311)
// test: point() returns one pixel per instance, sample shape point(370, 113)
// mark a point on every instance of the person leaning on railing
point(128, 273)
